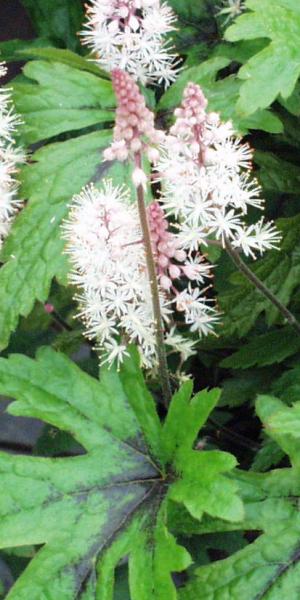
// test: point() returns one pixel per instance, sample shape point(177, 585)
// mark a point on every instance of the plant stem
point(239, 263)
point(60, 321)
point(160, 342)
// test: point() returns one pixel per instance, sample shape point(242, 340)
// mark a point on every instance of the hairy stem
point(239, 263)
point(160, 342)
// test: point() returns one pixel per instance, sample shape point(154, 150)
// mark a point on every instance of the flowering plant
point(149, 238)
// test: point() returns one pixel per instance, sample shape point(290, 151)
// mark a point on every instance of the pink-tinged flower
point(104, 242)
point(10, 159)
point(205, 173)
point(129, 34)
point(105, 245)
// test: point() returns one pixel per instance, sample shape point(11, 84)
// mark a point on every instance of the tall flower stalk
point(141, 276)
point(152, 273)
point(131, 267)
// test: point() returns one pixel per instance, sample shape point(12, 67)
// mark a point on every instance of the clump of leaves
point(91, 510)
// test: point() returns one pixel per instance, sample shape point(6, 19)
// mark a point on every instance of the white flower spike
point(104, 241)
point(10, 158)
point(205, 171)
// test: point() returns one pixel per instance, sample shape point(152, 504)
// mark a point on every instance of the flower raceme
point(106, 249)
point(129, 34)
point(205, 173)
point(10, 158)
point(109, 266)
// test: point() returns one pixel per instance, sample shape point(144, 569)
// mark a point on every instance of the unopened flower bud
point(139, 177)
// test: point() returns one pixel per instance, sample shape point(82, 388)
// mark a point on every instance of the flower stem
point(239, 263)
point(160, 342)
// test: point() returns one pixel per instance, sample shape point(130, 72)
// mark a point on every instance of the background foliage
point(193, 524)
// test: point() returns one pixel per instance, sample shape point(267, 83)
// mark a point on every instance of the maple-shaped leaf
point(92, 510)
point(54, 97)
point(269, 568)
point(275, 69)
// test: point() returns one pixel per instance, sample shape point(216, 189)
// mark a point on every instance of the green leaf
point(241, 303)
point(92, 510)
point(188, 10)
point(9, 50)
point(275, 69)
point(222, 95)
point(276, 174)
point(268, 568)
point(60, 98)
point(287, 386)
point(142, 403)
point(33, 252)
point(266, 349)
point(282, 424)
point(56, 19)
point(268, 455)
point(244, 386)
point(268, 498)
point(185, 418)
point(292, 103)
point(66, 57)
point(201, 470)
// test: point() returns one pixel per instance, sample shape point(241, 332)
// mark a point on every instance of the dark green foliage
point(58, 20)
point(117, 500)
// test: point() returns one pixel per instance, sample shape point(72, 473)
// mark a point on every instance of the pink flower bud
point(165, 282)
point(174, 271)
point(163, 261)
point(49, 308)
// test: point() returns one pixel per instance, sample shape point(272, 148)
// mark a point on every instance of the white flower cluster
point(206, 178)
point(10, 157)
point(106, 249)
point(105, 244)
point(129, 35)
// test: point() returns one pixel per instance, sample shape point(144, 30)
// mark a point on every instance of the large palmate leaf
point(269, 568)
point(280, 271)
point(222, 95)
point(58, 97)
point(92, 510)
point(275, 69)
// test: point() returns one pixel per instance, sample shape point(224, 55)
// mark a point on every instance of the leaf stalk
point(260, 286)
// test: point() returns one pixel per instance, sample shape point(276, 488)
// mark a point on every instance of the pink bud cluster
point(168, 252)
point(134, 130)
point(193, 123)
point(191, 115)
point(165, 246)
